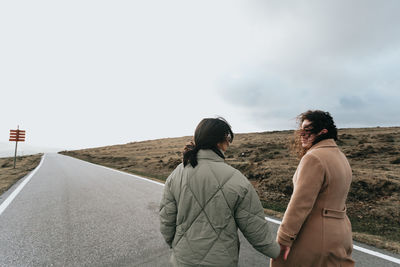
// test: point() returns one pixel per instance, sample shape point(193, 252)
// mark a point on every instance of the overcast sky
point(77, 74)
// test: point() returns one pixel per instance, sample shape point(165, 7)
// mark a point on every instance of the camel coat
point(315, 224)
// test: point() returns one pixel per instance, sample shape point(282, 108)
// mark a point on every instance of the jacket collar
point(324, 143)
point(209, 154)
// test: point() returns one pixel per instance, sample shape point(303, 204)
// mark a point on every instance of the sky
point(80, 74)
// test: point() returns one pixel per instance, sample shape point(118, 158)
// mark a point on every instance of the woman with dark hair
point(205, 201)
point(315, 230)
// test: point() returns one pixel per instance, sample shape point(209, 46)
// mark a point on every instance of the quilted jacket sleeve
point(168, 213)
point(250, 218)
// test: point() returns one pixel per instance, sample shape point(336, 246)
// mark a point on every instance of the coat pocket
point(338, 214)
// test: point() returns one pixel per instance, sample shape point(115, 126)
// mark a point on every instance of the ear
point(323, 131)
point(219, 145)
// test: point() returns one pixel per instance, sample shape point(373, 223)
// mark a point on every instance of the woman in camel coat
point(315, 230)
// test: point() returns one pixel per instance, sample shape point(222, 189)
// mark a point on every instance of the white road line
point(377, 254)
point(371, 252)
point(273, 220)
point(364, 250)
point(11, 197)
point(122, 172)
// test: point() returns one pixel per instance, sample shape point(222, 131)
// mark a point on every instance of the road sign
point(17, 136)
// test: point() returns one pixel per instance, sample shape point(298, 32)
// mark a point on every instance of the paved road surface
point(73, 213)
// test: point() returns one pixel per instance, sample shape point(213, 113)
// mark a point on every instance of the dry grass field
point(374, 154)
point(9, 175)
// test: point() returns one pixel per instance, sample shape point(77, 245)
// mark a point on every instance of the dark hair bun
point(209, 132)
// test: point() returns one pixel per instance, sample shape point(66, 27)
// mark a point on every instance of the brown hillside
point(374, 154)
point(9, 175)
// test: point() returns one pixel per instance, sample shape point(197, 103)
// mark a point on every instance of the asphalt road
point(74, 213)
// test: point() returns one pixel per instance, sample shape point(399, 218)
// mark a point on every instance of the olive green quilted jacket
point(203, 207)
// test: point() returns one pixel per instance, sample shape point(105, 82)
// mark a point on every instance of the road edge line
point(364, 250)
point(377, 254)
point(10, 198)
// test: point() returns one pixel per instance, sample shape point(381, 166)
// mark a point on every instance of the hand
point(285, 251)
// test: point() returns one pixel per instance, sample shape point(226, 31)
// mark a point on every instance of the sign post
point(17, 136)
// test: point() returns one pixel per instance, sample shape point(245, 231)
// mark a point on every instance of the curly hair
point(319, 120)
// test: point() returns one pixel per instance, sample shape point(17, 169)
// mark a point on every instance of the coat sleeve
point(168, 213)
point(310, 178)
point(250, 218)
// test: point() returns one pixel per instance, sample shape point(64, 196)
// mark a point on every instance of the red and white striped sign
point(17, 135)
